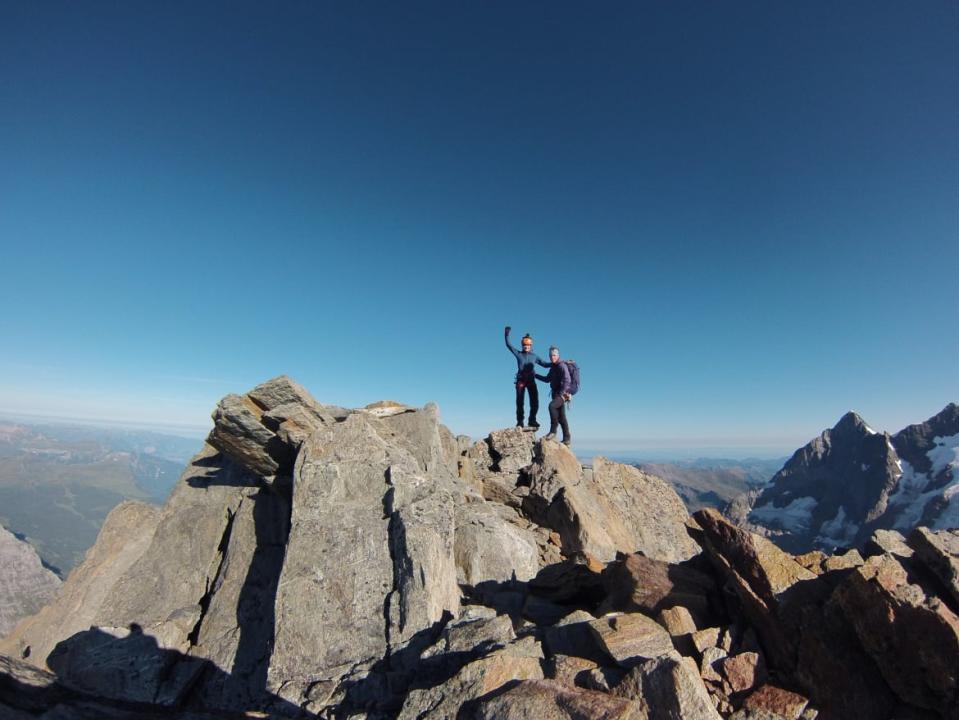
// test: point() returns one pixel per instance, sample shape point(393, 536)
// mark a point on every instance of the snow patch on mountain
point(909, 497)
point(944, 454)
point(837, 532)
point(795, 517)
point(911, 494)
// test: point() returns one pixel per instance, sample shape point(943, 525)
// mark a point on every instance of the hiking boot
point(567, 441)
point(519, 424)
point(551, 436)
point(533, 424)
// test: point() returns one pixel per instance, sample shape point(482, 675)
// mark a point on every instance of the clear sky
point(741, 219)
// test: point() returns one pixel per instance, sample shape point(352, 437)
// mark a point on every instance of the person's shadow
point(127, 664)
point(129, 671)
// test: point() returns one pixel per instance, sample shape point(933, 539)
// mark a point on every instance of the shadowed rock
point(668, 687)
point(912, 636)
point(124, 537)
point(939, 552)
point(549, 700)
point(763, 577)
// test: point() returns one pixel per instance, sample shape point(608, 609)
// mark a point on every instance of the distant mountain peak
point(852, 480)
point(852, 422)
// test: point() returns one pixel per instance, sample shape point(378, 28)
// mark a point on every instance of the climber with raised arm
point(525, 381)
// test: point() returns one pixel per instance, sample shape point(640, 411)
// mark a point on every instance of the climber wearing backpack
point(563, 379)
point(525, 378)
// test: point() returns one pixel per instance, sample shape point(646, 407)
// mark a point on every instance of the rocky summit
point(322, 562)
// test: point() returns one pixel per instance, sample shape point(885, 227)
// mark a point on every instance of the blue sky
point(741, 219)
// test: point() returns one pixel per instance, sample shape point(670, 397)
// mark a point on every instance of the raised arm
point(506, 338)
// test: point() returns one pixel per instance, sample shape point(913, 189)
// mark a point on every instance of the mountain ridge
point(367, 563)
point(851, 480)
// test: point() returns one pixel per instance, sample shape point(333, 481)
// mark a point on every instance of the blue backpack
point(573, 369)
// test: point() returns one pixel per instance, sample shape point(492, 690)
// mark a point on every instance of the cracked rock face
point(25, 585)
point(369, 559)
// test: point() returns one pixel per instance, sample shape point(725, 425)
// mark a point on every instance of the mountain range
point(58, 482)
point(842, 486)
point(711, 482)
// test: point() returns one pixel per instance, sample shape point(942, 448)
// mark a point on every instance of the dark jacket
point(558, 379)
point(524, 362)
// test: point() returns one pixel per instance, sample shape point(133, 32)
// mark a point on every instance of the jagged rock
point(520, 660)
point(768, 582)
point(913, 637)
point(420, 433)
point(239, 432)
point(680, 625)
point(488, 547)
point(706, 638)
point(284, 391)
point(550, 700)
point(614, 508)
point(25, 584)
point(939, 552)
point(631, 638)
point(778, 702)
point(124, 537)
point(888, 541)
point(573, 636)
point(677, 621)
point(668, 687)
point(812, 561)
point(263, 429)
point(726, 639)
point(478, 636)
point(835, 671)
point(639, 583)
point(709, 664)
point(570, 670)
point(511, 449)
point(369, 530)
point(603, 678)
point(849, 559)
point(743, 671)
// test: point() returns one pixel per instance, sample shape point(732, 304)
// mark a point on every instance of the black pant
point(521, 388)
point(557, 414)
